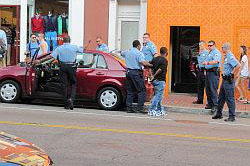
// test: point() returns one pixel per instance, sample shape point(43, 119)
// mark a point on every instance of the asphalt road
point(91, 137)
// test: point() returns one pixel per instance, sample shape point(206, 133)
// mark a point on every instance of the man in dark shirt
point(158, 76)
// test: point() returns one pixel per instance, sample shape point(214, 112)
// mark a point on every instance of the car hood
point(17, 151)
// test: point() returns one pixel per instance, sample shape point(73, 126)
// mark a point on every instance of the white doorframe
point(23, 21)
point(119, 31)
point(113, 5)
point(115, 23)
point(76, 21)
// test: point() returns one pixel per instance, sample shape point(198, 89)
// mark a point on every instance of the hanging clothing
point(51, 37)
point(62, 24)
point(65, 24)
point(60, 38)
point(37, 23)
point(51, 24)
point(59, 21)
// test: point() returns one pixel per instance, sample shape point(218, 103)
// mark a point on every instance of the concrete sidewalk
point(182, 103)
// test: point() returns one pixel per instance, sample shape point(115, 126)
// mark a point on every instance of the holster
point(228, 78)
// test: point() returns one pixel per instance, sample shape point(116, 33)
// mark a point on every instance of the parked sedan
point(15, 151)
point(100, 77)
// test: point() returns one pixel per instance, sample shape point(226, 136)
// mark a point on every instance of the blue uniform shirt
point(133, 58)
point(213, 55)
point(230, 62)
point(32, 47)
point(67, 53)
point(103, 47)
point(202, 58)
point(149, 50)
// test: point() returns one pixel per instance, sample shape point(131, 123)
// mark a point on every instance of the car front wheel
point(109, 98)
point(9, 91)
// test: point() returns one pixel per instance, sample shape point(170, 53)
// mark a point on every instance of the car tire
point(109, 98)
point(10, 91)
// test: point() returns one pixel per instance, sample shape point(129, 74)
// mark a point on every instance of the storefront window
point(51, 19)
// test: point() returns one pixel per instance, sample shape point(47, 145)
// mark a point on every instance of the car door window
point(101, 63)
point(86, 60)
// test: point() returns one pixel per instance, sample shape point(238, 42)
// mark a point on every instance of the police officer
point(201, 69)
point(134, 74)
point(212, 66)
point(66, 55)
point(228, 84)
point(101, 46)
point(149, 49)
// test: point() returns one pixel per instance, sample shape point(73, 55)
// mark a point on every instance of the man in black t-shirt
point(158, 77)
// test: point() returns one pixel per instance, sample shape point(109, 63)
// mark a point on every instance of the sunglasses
point(210, 45)
point(33, 37)
point(98, 41)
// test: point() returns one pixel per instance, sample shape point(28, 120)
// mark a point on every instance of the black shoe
point(71, 105)
point(217, 117)
point(208, 107)
point(141, 110)
point(213, 110)
point(66, 107)
point(230, 119)
point(197, 102)
point(130, 110)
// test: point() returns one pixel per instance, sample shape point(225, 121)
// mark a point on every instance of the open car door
point(30, 76)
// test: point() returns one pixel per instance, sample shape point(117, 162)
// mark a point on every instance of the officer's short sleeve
point(123, 53)
point(106, 48)
point(55, 53)
point(80, 49)
point(216, 57)
point(233, 61)
point(153, 49)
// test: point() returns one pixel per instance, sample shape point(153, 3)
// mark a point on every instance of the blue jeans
point(159, 87)
point(51, 37)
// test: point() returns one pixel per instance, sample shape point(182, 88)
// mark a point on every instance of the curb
point(200, 111)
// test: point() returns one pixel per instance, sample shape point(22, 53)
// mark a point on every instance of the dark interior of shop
point(184, 41)
point(9, 24)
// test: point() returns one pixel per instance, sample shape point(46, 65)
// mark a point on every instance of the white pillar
point(143, 19)
point(112, 24)
point(76, 21)
point(23, 29)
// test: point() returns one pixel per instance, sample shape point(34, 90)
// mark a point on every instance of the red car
point(100, 77)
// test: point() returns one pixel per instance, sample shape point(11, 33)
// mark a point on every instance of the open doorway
point(10, 24)
point(185, 42)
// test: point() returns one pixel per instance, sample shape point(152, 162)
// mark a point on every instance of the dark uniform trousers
point(227, 95)
point(68, 80)
point(201, 85)
point(135, 84)
point(212, 84)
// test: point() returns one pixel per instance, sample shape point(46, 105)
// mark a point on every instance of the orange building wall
point(219, 20)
